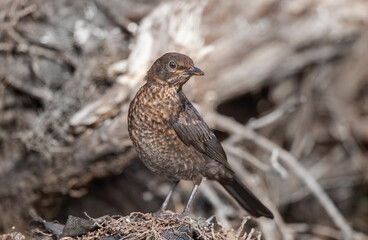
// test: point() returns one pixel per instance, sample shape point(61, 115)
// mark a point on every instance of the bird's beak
point(195, 71)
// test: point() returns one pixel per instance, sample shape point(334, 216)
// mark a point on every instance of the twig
point(276, 165)
point(222, 209)
point(250, 235)
point(44, 94)
point(315, 229)
point(22, 44)
point(230, 125)
point(241, 228)
point(240, 153)
point(286, 234)
point(259, 235)
point(25, 11)
point(339, 182)
point(276, 114)
point(342, 129)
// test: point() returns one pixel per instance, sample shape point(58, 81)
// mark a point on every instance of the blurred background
point(285, 89)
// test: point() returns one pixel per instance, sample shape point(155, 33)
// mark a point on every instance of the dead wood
point(294, 73)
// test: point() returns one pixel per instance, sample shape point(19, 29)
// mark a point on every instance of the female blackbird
point(172, 139)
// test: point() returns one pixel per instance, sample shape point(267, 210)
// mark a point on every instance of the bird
point(173, 140)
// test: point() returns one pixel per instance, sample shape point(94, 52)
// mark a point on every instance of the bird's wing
point(192, 130)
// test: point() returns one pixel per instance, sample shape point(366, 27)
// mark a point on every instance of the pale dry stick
point(233, 139)
point(328, 184)
point(315, 229)
point(13, 7)
point(285, 232)
point(250, 235)
point(318, 170)
point(259, 235)
point(25, 11)
point(342, 127)
point(241, 228)
point(212, 231)
point(23, 45)
point(222, 209)
point(289, 106)
point(238, 152)
point(41, 93)
point(242, 154)
point(276, 165)
point(227, 124)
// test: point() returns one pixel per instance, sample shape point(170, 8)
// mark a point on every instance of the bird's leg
point(167, 199)
point(192, 195)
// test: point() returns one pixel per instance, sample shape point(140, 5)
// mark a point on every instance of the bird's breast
point(156, 106)
point(155, 139)
point(150, 113)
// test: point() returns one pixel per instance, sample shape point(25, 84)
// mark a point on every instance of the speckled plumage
point(171, 137)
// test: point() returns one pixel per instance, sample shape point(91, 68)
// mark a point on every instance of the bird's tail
point(246, 198)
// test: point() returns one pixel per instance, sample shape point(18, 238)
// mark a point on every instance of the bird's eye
point(172, 64)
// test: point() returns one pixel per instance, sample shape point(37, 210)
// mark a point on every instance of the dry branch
point(227, 124)
point(66, 78)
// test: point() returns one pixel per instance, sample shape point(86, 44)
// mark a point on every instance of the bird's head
point(173, 69)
